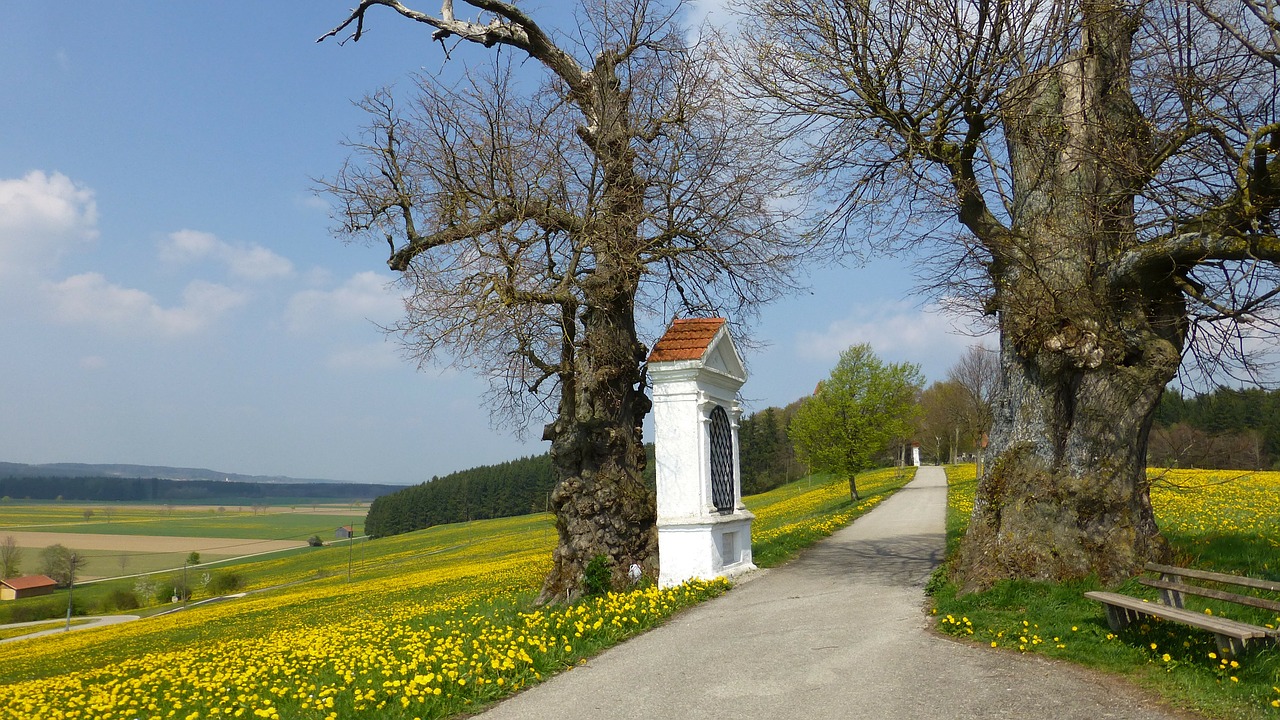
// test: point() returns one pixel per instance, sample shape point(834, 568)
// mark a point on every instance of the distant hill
point(156, 483)
point(517, 487)
point(85, 470)
point(203, 492)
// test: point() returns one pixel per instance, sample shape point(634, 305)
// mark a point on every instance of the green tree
point(61, 563)
point(855, 413)
point(10, 557)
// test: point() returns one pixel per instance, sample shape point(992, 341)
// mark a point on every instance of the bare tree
point(1098, 178)
point(10, 557)
point(532, 219)
point(977, 373)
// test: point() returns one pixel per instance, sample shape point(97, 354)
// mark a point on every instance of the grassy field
point(273, 524)
point(1221, 520)
point(431, 624)
point(797, 515)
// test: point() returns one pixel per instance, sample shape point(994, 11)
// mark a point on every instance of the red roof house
point(26, 586)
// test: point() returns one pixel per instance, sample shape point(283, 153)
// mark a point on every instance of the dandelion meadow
point(432, 624)
point(1215, 519)
point(797, 515)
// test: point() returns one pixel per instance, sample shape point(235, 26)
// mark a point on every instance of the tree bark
point(1085, 358)
point(601, 502)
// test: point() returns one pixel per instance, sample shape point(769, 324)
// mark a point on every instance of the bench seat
point(1232, 636)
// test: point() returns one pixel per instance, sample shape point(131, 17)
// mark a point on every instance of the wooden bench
point(1232, 636)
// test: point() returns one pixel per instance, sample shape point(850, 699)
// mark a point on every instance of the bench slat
point(1217, 625)
point(1215, 577)
point(1190, 589)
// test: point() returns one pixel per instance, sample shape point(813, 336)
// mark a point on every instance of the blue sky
point(169, 290)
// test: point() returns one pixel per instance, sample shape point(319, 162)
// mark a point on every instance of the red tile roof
point(686, 339)
point(27, 582)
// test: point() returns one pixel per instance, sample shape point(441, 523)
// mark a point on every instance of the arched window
point(721, 460)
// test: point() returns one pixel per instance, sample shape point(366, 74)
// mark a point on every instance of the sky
point(170, 292)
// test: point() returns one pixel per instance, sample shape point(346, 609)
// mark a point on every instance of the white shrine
point(704, 530)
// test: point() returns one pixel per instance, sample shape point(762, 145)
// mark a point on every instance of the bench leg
point(1117, 617)
point(1230, 646)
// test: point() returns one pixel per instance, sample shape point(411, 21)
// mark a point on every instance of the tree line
point(1226, 428)
point(161, 489)
point(517, 487)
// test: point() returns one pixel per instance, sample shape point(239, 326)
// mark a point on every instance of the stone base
point(705, 548)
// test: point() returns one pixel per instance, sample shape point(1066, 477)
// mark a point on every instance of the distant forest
point(1228, 429)
point(518, 487)
point(524, 486)
point(181, 491)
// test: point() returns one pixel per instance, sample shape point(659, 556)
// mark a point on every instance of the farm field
point(275, 523)
point(121, 540)
point(1221, 520)
point(431, 624)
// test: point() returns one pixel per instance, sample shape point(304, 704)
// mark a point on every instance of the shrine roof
point(686, 339)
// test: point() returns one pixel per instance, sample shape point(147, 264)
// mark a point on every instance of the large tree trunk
point(602, 504)
point(1085, 355)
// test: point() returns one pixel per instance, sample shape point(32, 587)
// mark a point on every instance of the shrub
point(315, 541)
point(225, 582)
point(120, 599)
point(597, 578)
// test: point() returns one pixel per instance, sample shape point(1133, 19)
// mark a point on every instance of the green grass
point(13, 632)
point(795, 516)
point(1177, 662)
point(272, 525)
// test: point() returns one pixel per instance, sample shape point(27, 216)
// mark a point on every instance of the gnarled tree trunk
point(1085, 353)
point(602, 504)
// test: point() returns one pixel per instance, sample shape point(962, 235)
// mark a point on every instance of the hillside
point(105, 489)
point(86, 470)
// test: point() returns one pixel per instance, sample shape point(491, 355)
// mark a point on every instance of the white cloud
point(895, 330)
point(364, 296)
point(312, 202)
point(89, 299)
point(42, 218)
point(246, 261)
point(375, 356)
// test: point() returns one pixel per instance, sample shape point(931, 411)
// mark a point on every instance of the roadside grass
point(1214, 520)
point(795, 516)
point(432, 624)
point(13, 632)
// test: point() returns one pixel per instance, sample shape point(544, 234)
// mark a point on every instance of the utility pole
point(351, 542)
point(73, 562)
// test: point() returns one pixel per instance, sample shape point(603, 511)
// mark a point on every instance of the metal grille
point(721, 461)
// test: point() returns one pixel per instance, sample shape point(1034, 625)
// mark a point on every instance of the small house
point(345, 532)
point(26, 586)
